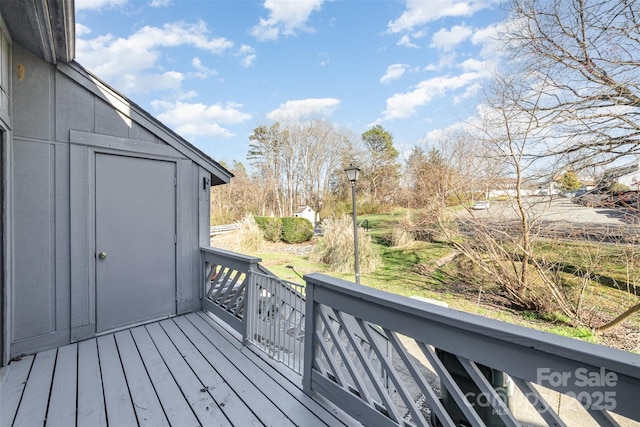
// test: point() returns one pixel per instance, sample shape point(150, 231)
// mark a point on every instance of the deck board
point(234, 408)
point(33, 406)
point(174, 403)
point(116, 392)
point(12, 387)
point(145, 400)
point(294, 403)
point(204, 406)
point(244, 388)
point(62, 403)
point(90, 398)
point(184, 371)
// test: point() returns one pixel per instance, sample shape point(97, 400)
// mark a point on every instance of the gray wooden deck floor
point(185, 371)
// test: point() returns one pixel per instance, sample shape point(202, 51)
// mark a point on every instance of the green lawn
point(413, 271)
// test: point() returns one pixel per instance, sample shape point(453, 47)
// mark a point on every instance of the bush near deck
point(287, 229)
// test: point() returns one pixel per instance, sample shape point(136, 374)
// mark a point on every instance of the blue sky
point(215, 70)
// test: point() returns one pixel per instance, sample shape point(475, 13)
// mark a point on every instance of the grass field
point(420, 269)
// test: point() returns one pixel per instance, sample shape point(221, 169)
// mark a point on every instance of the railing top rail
point(229, 254)
point(268, 274)
point(466, 334)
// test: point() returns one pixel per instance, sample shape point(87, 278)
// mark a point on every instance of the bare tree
point(320, 148)
point(586, 52)
point(230, 203)
point(296, 161)
point(265, 153)
point(504, 247)
point(580, 58)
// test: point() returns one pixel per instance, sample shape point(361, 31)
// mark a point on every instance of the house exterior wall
point(306, 213)
point(5, 127)
point(631, 180)
point(61, 118)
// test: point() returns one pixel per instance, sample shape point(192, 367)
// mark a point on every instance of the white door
point(135, 225)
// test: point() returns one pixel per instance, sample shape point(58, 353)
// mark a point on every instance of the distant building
point(306, 212)
point(628, 175)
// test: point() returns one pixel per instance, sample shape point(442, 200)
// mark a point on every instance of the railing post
point(251, 296)
point(309, 336)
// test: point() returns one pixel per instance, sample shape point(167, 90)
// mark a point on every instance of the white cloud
point(473, 64)
point(126, 63)
point(394, 72)
point(197, 119)
point(170, 80)
point(405, 41)
point(247, 55)
point(285, 17)
point(202, 72)
point(160, 3)
point(420, 12)
point(82, 30)
point(446, 40)
point(489, 39)
point(447, 59)
point(403, 105)
point(444, 134)
point(470, 92)
point(304, 108)
point(98, 4)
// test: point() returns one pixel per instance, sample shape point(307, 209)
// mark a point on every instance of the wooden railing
point(452, 368)
point(266, 310)
point(390, 360)
point(225, 277)
point(276, 323)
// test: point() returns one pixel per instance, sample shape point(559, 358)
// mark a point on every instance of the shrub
point(336, 249)
point(250, 235)
point(296, 230)
point(617, 187)
point(289, 229)
point(403, 233)
point(271, 227)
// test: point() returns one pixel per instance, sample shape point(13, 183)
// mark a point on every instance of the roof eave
point(44, 27)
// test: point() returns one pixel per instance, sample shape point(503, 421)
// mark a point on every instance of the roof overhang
point(44, 27)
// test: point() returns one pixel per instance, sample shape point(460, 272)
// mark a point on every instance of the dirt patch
point(229, 241)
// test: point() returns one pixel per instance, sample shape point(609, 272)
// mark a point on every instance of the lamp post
point(352, 174)
point(636, 180)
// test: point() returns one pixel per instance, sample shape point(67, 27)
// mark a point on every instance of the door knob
point(102, 255)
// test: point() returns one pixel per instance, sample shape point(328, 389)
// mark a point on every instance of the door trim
point(5, 288)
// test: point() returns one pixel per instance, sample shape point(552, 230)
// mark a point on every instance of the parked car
point(569, 193)
point(590, 199)
point(480, 205)
point(627, 199)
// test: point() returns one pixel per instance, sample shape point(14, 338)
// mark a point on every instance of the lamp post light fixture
point(352, 175)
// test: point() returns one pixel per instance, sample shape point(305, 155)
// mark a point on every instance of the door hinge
point(175, 181)
point(175, 238)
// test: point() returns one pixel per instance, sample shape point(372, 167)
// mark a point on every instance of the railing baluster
point(387, 366)
point(425, 388)
point(392, 411)
point(602, 418)
point(539, 403)
point(487, 389)
point(356, 381)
